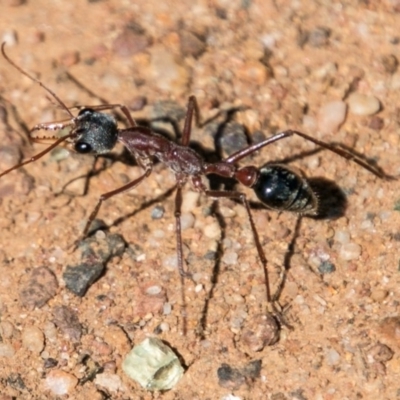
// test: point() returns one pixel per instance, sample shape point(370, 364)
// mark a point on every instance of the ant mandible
point(276, 186)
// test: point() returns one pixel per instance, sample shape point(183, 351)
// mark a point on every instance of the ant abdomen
point(280, 188)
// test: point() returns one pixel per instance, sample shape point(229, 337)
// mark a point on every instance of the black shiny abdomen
point(280, 188)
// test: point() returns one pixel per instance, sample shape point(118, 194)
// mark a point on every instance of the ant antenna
point(32, 78)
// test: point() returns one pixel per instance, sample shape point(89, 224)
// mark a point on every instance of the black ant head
point(94, 132)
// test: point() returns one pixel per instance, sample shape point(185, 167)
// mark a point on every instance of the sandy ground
point(326, 68)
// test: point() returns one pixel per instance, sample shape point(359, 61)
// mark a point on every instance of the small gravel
point(213, 230)
point(191, 44)
point(190, 201)
point(153, 290)
point(187, 221)
point(6, 329)
point(326, 267)
point(230, 258)
point(60, 382)
point(129, 42)
point(350, 251)
point(342, 236)
point(111, 382)
point(332, 357)
point(67, 321)
point(38, 287)
point(33, 339)
point(319, 36)
point(331, 116)
point(361, 104)
point(6, 350)
point(10, 37)
point(259, 331)
point(157, 212)
point(167, 308)
point(230, 378)
point(79, 278)
point(168, 71)
point(233, 138)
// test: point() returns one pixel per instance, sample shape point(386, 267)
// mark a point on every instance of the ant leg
point(103, 107)
point(281, 135)
point(273, 304)
point(192, 107)
point(178, 231)
point(37, 156)
point(32, 78)
point(108, 195)
point(218, 194)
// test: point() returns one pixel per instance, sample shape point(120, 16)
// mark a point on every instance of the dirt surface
point(327, 68)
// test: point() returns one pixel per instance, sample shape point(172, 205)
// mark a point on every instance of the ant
point(275, 185)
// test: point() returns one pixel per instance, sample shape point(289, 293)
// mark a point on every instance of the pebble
point(168, 110)
point(212, 231)
point(157, 212)
point(230, 378)
point(9, 156)
point(67, 321)
point(50, 363)
point(153, 365)
point(164, 326)
point(170, 75)
point(390, 63)
point(332, 357)
point(6, 350)
point(331, 116)
point(318, 37)
point(376, 123)
point(190, 201)
point(326, 267)
point(191, 44)
point(79, 278)
point(253, 72)
point(9, 37)
point(6, 329)
point(70, 58)
point(233, 138)
point(111, 382)
point(137, 103)
point(389, 327)
point(33, 339)
point(231, 397)
point(60, 382)
point(379, 295)
point(50, 331)
point(380, 353)
point(170, 262)
point(116, 244)
point(187, 221)
point(153, 290)
point(361, 104)
point(129, 43)
point(342, 236)
point(39, 287)
point(260, 331)
point(230, 258)
point(14, 3)
point(350, 251)
point(167, 308)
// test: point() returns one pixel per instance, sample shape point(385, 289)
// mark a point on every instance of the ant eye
point(85, 111)
point(82, 148)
